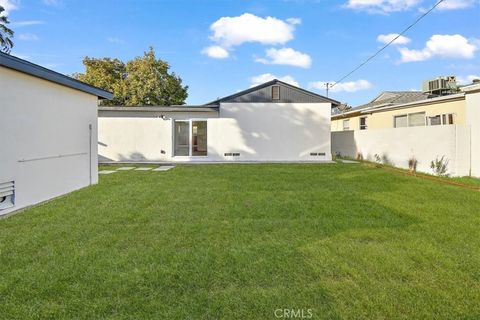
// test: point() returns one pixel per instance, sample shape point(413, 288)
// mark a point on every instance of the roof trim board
point(160, 109)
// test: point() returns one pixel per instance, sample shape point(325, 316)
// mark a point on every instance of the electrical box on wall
point(7, 195)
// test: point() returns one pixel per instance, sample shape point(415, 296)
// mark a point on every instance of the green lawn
point(241, 241)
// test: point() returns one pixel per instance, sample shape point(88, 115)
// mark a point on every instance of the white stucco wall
point(259, 132)
point(40, 121)
point(278, 131)
point(400, 144)
point(473, 121)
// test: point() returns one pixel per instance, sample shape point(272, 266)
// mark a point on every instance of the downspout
point(90, 152)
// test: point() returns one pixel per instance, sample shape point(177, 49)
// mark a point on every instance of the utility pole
point(327, 85)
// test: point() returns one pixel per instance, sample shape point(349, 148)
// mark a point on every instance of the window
point(449, 119)
point(190, 138)
point(435, 121)
point(346, 124)
point(409, 120)
point(400, 121)
point(275, 92)
point(181, 137)
point(416, 119)
point(363, 123)
point(441, 119)
point(199, 138)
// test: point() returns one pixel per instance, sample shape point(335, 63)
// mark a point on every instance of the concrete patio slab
point(125, 168)
point(106, 171)
point(143, 169)
point(164, 168)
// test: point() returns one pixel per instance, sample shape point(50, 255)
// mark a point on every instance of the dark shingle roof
point(35, 70)
point(387, 98)
point(289, 93)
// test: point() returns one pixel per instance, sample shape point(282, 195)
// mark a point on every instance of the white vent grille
point(7, 195)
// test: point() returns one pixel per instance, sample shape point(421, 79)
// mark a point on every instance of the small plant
point(386, 159)
point(412, 164)
point(359, 156)
point(378, 160)
point(334, 157)
point(439, 166)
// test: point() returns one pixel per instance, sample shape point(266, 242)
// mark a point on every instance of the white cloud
point(456, 4)
point(216, 52)
point(8, 5)
point(262, 78)
point(294, 21)
point(442, 46)
point(115, 40)
point(28, 37)
point(27, 23)
point(386, 38)
point(287, 56)
point(350, 86)
point(52, 2)
point(382, 6)
point(233, 31)
point(467, 79)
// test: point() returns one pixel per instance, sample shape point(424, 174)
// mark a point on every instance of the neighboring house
point(48, 128)
point(274, 121)
point(398, 126)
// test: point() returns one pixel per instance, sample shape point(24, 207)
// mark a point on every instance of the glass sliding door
point(190, 138)
point(199, 138)
point(181, 138)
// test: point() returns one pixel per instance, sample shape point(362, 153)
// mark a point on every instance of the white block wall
point(40, 121)
point(400, 144)
point(473, 121)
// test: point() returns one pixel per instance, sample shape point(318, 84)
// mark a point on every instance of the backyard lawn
point(242, 241)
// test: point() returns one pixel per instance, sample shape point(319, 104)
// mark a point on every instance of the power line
point(385, 46)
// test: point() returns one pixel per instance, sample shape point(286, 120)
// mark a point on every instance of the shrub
point(412, 164)
point(439, 166)
point(386, 160)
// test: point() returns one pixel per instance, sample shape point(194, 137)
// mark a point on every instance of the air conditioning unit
point(7, 195)
point(440, 85)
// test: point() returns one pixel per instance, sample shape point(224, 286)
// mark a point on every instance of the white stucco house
point(48, 128)
point(271, 122)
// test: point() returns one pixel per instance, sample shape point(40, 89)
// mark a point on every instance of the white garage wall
point(400, 144)
point(259, 132)
point(39, 122)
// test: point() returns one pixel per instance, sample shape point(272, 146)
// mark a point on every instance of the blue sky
point(220, 47)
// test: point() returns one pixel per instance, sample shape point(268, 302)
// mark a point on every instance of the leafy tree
point(142, 81)
point(6, 33)
point(108, 74)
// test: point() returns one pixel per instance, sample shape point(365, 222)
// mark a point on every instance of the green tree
point(6, 33)
point(108, 74)
point(142, 81)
